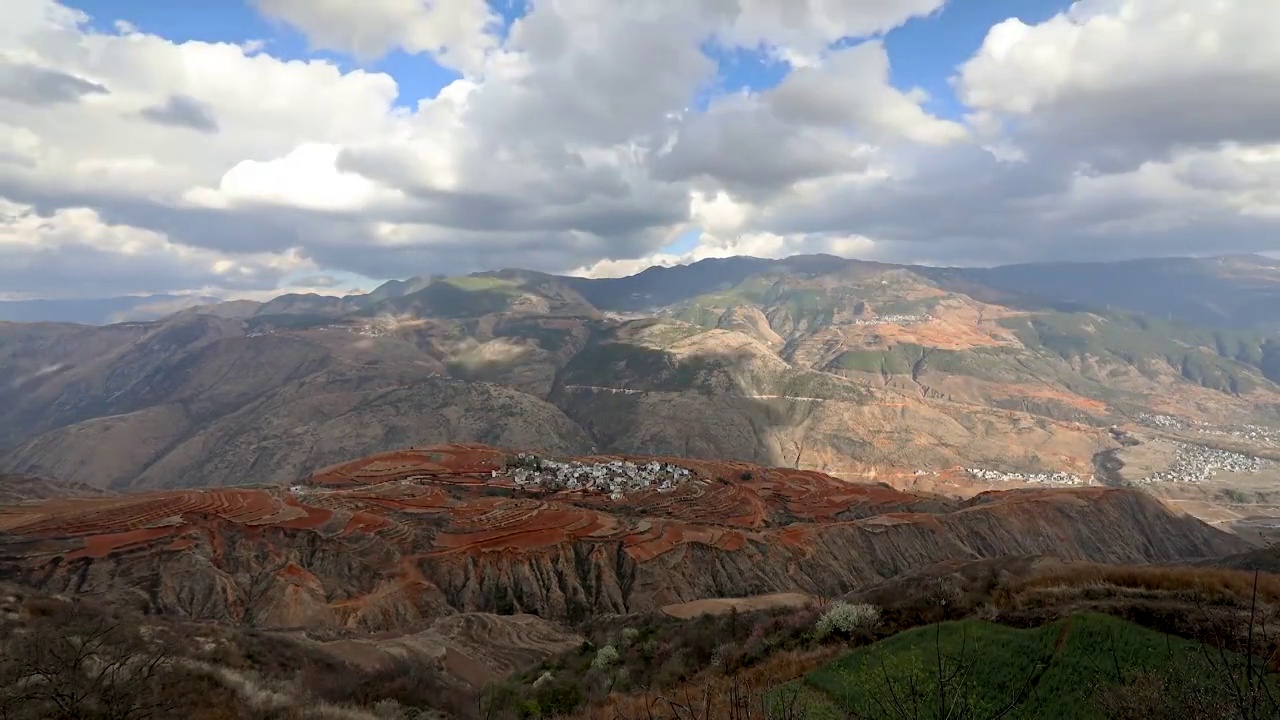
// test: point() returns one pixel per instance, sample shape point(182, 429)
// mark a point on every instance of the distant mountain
point(1232, 292)
point(817, 362)
point(102, 311)
point(1235, 291)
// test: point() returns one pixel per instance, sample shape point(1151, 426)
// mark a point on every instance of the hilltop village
point(894, 320)
point(617, 478)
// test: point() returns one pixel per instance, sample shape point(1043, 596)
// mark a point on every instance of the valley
point(479, 483)
point(913, 376)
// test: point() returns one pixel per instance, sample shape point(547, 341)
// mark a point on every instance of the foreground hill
point(391, 540)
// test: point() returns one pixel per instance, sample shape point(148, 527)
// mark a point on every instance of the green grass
point(621, 364)
point(1055, 669)
point(993, 364)
point(814, 384)
point(462, 297)
point(1224, 360)
point(897, 360)
point(474, 283)
point(907, 307)
point(289, 321)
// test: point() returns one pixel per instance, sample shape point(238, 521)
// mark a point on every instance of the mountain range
point(455, 478)
point(816, 362)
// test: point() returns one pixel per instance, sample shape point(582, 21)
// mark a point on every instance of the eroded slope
point(387, 541)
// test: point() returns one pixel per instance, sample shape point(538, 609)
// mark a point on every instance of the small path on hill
point(1061, 642)
point(629, 391)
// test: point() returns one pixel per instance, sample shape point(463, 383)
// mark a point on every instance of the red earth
point(477, 506)
point(451, 523)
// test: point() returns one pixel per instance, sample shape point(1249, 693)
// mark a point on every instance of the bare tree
point(1210, 680)
point(1246, 676)
point(255, 592)
point(87, 667)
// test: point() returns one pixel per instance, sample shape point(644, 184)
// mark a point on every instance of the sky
point(249, 148)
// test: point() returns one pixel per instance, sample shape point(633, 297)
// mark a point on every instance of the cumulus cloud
point(574, 140)
point(457, 32)
point(75, 253)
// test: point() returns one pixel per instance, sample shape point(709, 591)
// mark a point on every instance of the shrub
point(606, 656)
point(846, 620)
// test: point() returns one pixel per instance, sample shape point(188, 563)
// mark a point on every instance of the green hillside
point(1227, 360)
point(1052, 671)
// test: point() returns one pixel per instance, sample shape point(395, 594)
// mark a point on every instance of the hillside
point(1053, 670)
point(920, 377)
point(393, 540)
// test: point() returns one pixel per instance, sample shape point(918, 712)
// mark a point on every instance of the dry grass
point(1209, 584)
point(713, 695)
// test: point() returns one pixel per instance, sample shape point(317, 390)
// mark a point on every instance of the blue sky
point(923, 53)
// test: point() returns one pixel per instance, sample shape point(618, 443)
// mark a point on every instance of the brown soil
point(720, 606)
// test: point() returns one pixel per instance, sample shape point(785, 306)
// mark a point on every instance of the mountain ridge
point(865, 370)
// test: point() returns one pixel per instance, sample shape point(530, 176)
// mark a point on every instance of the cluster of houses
point(1047, 478)
point(373, 329)
point(615, 477)
point(1197, 463)
point(1167, 422)
point(893, 320)
point(1254, 433)
point(367, 330)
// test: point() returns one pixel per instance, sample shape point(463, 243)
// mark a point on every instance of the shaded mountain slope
point(843, 366)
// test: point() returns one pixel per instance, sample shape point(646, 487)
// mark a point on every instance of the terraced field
point(393, 539)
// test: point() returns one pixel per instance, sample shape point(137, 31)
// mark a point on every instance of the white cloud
point(1122, 127)
point(760, 244)
point(308, 177)
point(457, 32)
point(1124, 80)
point(807, 27)
point(54, 254)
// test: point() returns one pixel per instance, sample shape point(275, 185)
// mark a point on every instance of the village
point(374, 328)
point(1253, 433)
point(1197, 463)
point(617, 478)
point(893, 320)
point(1046, 478)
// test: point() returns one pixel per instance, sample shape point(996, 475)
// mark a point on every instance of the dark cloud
point(183, 111)
point(317, 281)
point(34, 85)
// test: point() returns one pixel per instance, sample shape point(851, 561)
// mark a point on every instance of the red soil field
point(459, 499)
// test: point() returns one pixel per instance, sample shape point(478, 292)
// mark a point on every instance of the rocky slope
point(15, 489)
point(388, 541)
point(854, 368)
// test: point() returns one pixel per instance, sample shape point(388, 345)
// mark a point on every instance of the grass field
point(1053, 671)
